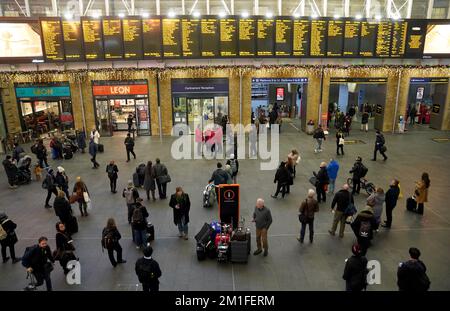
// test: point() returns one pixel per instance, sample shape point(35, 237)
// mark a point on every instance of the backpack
point(382, 139)
point(137, 218)
point(364, 229)
point(34, 149)
point(26, 258)
point(233, 165)
point(110, 170)
point(424, 281)
point(3, 233)
point(146, 271)
point(108, 240)
point(363, 170)
point(129, 195)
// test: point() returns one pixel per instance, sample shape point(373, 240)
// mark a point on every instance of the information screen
point(437, 39)
point(301, 36)
point(52, 38)
point(210, 37)
point(247, 37)
point(318, 38)
point(383, 39)
point(335, 42)
point(132, 38)
point(171, 37)
point(368, 39)
point(92, 38)
point(351, 38)
point(228, 37)
point(265, 37)
point(190, 32)
point(152, 40)
point(112, 38)
point(415, 39)
point(283, 37)
point(398, 45)
point(73, 42)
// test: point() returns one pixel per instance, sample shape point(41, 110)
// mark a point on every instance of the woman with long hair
point(110, 241)
point(64, 247)
point(79, 189)
point(421, 192)
point(149, 180)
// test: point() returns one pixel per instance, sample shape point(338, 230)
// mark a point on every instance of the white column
point(430, 8)
point(325, 7)
point(368, 4)
point(389, 8)
point(346, 8)
point(207, 7)
point(107, 7)
point(27, 8)
point(232, 7)
point(80, 5)
point(448, 11)
point(132, 8)
point(302, 8)
point(256, 7)
point(158, 8)
point(409, 9)
point(280, 7)
point(183, 7)
point(54, 8)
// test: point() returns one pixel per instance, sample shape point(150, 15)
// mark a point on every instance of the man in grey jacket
point(263, 219)
point(161, 174)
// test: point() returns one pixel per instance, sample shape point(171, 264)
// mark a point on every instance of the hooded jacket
point(332, 169)
point(411, 276)
point(365, 215)
point(378, 200)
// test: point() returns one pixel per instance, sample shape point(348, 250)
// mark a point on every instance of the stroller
point(23, 170)
point(209, 195)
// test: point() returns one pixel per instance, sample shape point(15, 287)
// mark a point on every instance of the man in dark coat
point(181, 205)
point(379, 146)
point(11, 171)
point(129, 146)
point(357, 171)
point(341, 200)
point(322, 181)
point(219, 176)
point(411, 274)
point(282, 176)
point(63, 210)
point(355, 272)
point(148, 271)
point(51, 186)
point(161, 174)
point(41, 153)
point(112, 170)
point(39, 262)
point(11, 238)
point(391, 201)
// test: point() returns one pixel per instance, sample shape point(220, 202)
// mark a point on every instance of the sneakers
point(186, 237)
point(48, 206)
point(257, 252)
point(331, 232)
point(274, 196)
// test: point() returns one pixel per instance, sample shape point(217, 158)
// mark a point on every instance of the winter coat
point(185, 206)
point(355, 273)
point(79, 188)
point(364, 215)
point(309, 207)
point(41, 152)
point(342, 199)
point(16, 152)
point(92, 148)
point(220, 176)
point(378, 199)
point(149, 178)
point(262, 217)
point(282, 176)
point(410, 276)
point(129, 143)
point(379, 141)
point(61, 180)
point(140, 226)
point(10, 168)
point(365, 118)
point(143, 267)
point(356, 170)
point(62, 209)
point(422, 189)
point(391, 197)
point(115, 170)
point(81, 140)
point(160, 170)
point(332, 169)
point(319, 133)
point(39, 257)
point(9, 226)
point(322, 177)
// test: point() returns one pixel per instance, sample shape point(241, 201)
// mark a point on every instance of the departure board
point(209, 37)
point(265, 37)
point(383, 39)
point(190, 32)
point(73, 43)
point(112, 38)
point(132, 38)
point(300, 41)
point(335, 38)
point(398, 44)
point(247, 37)
point(318, 38)
point(351, 38)
point(52, 39)
point(171, 37)
point(415, 39)
point(92, 38)
point(283, 37)
point(368, 39)
point(151, 35)
point(228, 37)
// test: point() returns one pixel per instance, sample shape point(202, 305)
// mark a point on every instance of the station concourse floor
point(289, 265)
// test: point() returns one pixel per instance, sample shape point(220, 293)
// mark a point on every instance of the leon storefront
point(116, 101)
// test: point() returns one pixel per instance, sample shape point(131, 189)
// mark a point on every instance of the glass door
point(103, 117)
point(208, 112)
point(142, 117)
point(194, 106)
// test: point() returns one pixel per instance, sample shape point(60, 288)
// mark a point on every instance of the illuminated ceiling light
point(95, 15)
point(196, 14)
point(37, 61)
point(145, 15)
point(68, 16)
point(314, 15)
point(377, 17)
point(336, 16)
point(358, 16)
point(171, 14)
point(296, 15)
point(121, 15)
point(269, 14)
point(245, 14)
point(222, 14)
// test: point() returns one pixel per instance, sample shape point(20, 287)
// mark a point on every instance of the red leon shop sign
point(114, 90)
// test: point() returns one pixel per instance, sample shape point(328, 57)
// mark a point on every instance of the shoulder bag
point(303, 217)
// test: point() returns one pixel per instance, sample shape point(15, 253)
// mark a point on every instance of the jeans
point(128, 154)
point(118, 249)
point(42, 162)
point(113, 183)
point(41, 277)
point(130, 212)
point(310, 223)
point(261, 236)
point(331, 186)
point(389, 210)
point(94, 161)
point(49, 194)
point(11, 251)
point(140, 237)
point(356, 185)
point(83, 207)
point(150, 287)
point(162, 188)
point(339, 217)
point(283, 188)
point(321, 195)
point(319, 144)
point(182, 226)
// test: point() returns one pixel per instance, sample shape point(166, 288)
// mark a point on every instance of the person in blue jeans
point(139, 224)
point(181, 205)
point(332, 170)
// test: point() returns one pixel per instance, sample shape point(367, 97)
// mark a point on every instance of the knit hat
point(356, 249)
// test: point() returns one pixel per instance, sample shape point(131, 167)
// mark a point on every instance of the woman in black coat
point(64, 247)
point(9, 226)
point(282, 176)
point(181, 205)
point(63, 210)
point(110, 241)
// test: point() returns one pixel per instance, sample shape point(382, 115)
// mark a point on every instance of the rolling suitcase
point(239, 251)
point(150, 232)
point(100, 148)
point(201, 252)
point(411, 204)
point(204, 236)
point(136, 180)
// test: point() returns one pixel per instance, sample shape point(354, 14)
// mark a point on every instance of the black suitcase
point(411, 204)
point(201, 252)
point(72, 225)
point(204, 236)
point(136, 180)
point(68, 154)
point(150, 232)
point(100, 148)
point(239, 251)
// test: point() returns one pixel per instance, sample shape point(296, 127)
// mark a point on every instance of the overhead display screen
point(383, 39)
point(265, 37)
point(351, 38)
point(152, 40)
point(368, 39)
point(112, 38)
point(335, 42)
point(415, 39)
point(437, 40)
point(92, 38)
point(301, 35)
point(283, 37)
point(210, 37)
point(52, 39)
point(171, 37)
point(247, 37)
point(318, 38)
point(190, 32)
point(229, 37)
point(73, 40)
point(20, 39)
point(398, 44)
point(132, 38)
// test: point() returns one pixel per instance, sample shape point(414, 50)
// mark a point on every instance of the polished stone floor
point(289, 265)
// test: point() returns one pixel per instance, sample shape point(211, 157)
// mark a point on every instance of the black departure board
point(228, 37)
point(301, 35)
point(190, 32)
point(398, 44)
point(335, 38)
point(351, 38)
point(283, 36)
point(171, 37)
point(73, 42)
point(52, 39)
point(152, 40)
point(265, 37)
point(368, 39)
point(209, 37)
point(92, 38)
point(383, 39)
point(318, 38)
point(415, 38)
point(132, 38)
point(112, 38)
point(247, 37)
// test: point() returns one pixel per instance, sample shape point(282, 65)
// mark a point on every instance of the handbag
point(303, 217)
point(86, 197)
point(341, 141)
point(383, 148)
point(164, 179)
point(73, 198)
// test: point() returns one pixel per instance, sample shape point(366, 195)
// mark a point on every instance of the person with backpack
point(307, 209)
point(363, 227)
point(355, 271)
point(8, 238)
point(139, 224)
point(282, 179)
point(220, 176)
point(62, 181)
point(110, 242)
point(379, 146)
point(340, 141)
point(391, 198)
point(131, 194)
point(359, 171)
point(162, 178)
point(332, 171)
point(148, 271)
point(129, 146)
point(56, 147)
point(181, 205)
point(112, 170)
point(412, 274)
point(11, 171)
point(234, 167)
point(93, 149)
point(49, 183)
point(81, 192)
point(319, 136)
point(376, 200)
point(38, 261)
point(64, 247)
point(341, 200)
point(322, 181)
